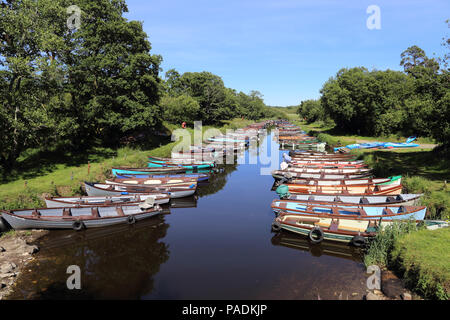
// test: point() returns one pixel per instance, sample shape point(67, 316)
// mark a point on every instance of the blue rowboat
point(336, 210)
point(173, 163)
point(151, 171)
point(199, 176)
point(152, 164)
point(229, 140)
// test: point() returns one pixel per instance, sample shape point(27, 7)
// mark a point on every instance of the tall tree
point(113, 79)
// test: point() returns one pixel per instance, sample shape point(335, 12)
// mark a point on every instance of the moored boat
point(98, 189)
point(338, 210)
point(77, 218)
point(404, 199)
point(286, 189)
point(161, 170)
point(199, 176)
point(286, 175)
point(152, 181)
point(58, 202)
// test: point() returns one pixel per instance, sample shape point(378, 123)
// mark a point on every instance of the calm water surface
point(219, 246)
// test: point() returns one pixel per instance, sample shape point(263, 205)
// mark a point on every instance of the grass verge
point(422, 259)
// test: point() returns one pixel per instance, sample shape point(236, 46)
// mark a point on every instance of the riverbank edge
point(17, 249)
point(409, 274)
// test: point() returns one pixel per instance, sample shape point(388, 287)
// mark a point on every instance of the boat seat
point(337, 199)
point(334, 226)
point(390, 199)
point(401, 209)
point(364, 201)
point(94, 212)
point(67, 212)
point(387, 211)
point(311, 198)
point(36, 213)
point(148, 203)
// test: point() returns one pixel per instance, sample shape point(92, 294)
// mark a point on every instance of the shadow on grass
point(34, 162)
point(433, 165)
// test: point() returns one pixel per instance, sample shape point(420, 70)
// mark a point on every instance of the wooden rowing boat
point(179, 163)
point(288, 176)
point(199, 176)
point(298, 162)
point(345, 190)
point(328, 157)
point(346, 182)
point(317, 229)
point(99, 189)
point(152, 181)
point(325, 170)
point(58, 202)
point(404, 199)
point(77, 218)
point(327, 165)
point(338, 210)
point(126, 170)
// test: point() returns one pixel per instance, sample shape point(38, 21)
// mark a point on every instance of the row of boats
point(329, 196)
point(133, 194)
point(292, 137)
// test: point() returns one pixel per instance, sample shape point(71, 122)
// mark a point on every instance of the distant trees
point(311, 111)
point(374, 103)
point(216, 102)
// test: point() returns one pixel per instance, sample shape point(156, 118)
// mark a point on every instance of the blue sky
point(286, 49)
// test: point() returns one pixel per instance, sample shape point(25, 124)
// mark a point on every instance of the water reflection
point(217, 181)
point(317, 250)
point(116, 263)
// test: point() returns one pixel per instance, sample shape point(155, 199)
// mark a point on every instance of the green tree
point(180, 108)
point(113, 78)
point(311, 111)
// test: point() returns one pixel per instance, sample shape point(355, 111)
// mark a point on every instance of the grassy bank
point(64, 176)
point(422, 259)
point(417, 255)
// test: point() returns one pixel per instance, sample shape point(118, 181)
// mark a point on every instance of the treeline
point(413, 102)
point(203, 96)
point(72, 88)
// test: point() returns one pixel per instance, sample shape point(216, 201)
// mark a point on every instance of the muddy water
point(218, 246)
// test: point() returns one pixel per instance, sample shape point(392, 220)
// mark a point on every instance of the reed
point(380, 247)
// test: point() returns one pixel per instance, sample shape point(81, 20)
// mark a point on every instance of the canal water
point(218, 246)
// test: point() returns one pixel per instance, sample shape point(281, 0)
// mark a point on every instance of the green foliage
point(422, 260)
point(381, 103)
point(73, 88)
point(215, 101)
point(180, 108)
point(311, 111)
